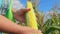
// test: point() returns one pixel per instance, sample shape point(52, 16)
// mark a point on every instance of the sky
point(44, 5)
point(17, 4)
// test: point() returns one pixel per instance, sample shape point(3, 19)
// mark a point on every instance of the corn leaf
point(52, 28)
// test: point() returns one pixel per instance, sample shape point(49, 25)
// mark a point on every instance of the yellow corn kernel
point(30, 16)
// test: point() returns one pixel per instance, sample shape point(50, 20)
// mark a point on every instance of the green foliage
point(52, 25)
point(52, 28)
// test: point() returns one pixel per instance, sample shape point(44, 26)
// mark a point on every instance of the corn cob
point(9, 14)
point(30, 16)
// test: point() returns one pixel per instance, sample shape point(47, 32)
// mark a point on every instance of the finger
point(40, 32)
point(25, 10)
point(13, 10)
point(22, 11)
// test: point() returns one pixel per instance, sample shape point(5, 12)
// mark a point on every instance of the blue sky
point(23, 2)
point(44, 5)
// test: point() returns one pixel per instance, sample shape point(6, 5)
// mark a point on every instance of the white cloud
point(17, 5)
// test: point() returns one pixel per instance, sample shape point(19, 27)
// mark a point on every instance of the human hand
point(20, 14)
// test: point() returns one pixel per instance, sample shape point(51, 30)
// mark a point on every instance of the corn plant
point(52, 28)
point(53, 21)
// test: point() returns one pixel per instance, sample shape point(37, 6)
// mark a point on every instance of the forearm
point(8, 26)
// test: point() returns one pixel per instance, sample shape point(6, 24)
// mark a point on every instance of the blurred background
point(47, 11)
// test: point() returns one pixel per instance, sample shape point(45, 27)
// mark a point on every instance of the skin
point(20, 14)
point(10, 27)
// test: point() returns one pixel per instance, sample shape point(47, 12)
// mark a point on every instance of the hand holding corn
point(11, 27)
point(20, 13)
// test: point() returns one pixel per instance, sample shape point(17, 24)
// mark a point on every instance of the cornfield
point(50, 26)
